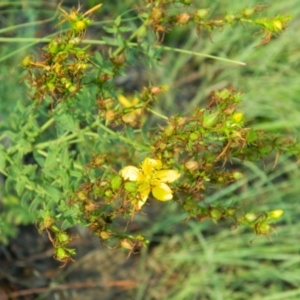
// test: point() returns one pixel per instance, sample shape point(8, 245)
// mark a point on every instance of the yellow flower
point(238, 117)
point(133, 116)
point(150, 178)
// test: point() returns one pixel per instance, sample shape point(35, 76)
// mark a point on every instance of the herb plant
point(81, 152)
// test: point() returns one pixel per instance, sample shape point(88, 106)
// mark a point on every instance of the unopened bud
point(191, 165)
point(127, 244)
point(275, 214)
point(183, 18)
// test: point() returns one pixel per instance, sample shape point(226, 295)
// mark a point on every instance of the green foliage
point(67, 153)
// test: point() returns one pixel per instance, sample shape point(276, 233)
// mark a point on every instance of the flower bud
point(72, 88)
point(108, 193)
point(238, 117)
point(169, 130)
point(231, 211)
point(127, 244)
point(26, 62)
point(81, 195)
point(193, 136)
point(250, 217)
point(90, 206)
point(61, 253)
point(156, 14)
point(263, 228)
point(47, 222)
point(216, 213)
point(191, 165)
point(202, 13)
point(229, 18)
point(50, 86)
point(54, 47)
point(62, 238)
point(104, 235)
point(110, 115)
point(119, 60)
point(277, 24)
point(79, 25)
point(183, 18)
point(275, 214)
point(237, 175)
point(155, 90)
point(248, 12)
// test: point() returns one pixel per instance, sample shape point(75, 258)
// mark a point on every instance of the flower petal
point(130, 173)
point(149, 165)
point(124, 101)
point(140, 203)
point(167, 175)
point(162, 192)
point(144, 190)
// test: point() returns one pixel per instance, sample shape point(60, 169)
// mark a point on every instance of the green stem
point(112, 43)
point(47, 124)
point(33, 41)
point(10, 28)
point(55, 142)
point(200, 54)
point(45, 154)
point(86, 131)
point(158, 114)
point(132, 36)
point(124, 139)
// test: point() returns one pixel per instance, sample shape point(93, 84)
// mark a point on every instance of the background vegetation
point(199, 260)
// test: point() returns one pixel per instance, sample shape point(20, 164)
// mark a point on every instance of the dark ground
point(28, 270)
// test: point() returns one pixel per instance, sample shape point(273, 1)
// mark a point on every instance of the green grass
point(202, 260)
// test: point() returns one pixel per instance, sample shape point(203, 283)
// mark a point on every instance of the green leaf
point(130, 133)
point(39, 158)
point(9, 183)
point(77, 174)
point(144, 133)
point(125, 29)
point(26, 197)
point(52, 192)
point(53, 174)
point(51, 160)
point(20, 184)
point(98, 58)
point(266, 149)
point(2, 159)
point(116, 182)
point(25, 146)
point(252, 136)
point(36, 202)
point(66, 122)
point(29, 169)
point(118, 21)
point(111, 30)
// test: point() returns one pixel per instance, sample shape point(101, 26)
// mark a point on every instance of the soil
point(29, 271)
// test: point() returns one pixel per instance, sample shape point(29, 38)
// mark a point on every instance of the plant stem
point(45, 154)
point(112, 43)
point(47, 124)
point(86, 131)
point(132, 36)
point(158, 114)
